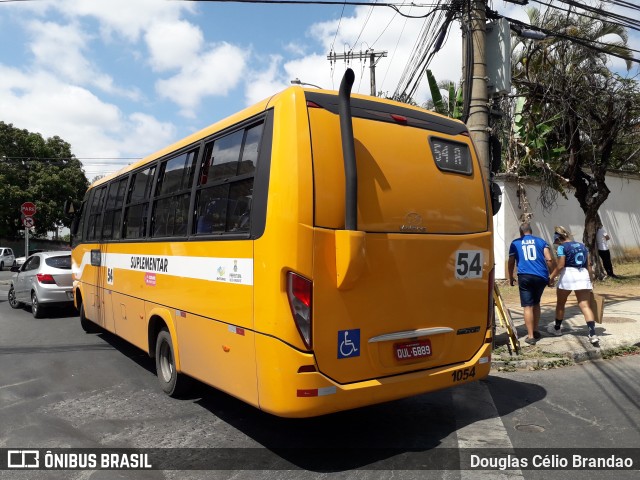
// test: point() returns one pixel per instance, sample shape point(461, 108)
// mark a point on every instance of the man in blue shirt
point(533, 257)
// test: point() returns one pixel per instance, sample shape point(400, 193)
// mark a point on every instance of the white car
point(7, 258)
point(45, 279)
point(21, 260)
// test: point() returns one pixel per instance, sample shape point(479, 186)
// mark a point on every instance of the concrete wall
point(620, 215)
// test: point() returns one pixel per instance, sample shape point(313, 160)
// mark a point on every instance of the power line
point(621, 20)
point(314, 2)
point(581, 41)
point(68, 158)
point(581, 14)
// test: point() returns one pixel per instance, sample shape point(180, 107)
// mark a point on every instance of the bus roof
point(237, 118)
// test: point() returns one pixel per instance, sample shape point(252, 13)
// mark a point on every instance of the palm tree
point(584, 107)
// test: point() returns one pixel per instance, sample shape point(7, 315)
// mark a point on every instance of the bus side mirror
point(70, 208)
point(496, 197)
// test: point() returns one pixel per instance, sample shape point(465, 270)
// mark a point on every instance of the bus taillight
point(299, 291)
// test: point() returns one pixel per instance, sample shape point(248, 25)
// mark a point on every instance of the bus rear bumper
point(286, 392)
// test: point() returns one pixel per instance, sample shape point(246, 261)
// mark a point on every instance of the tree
point(453, 106)
point(575, 109)
point(41, 171)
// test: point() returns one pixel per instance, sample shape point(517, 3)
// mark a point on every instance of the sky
point(120, 79)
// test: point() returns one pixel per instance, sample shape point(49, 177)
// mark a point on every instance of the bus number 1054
point(463, 374)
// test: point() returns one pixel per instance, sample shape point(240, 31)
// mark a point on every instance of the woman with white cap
point(575, 275)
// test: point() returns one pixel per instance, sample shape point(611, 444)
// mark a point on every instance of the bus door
point(105, 289)
point(92, 273)
point(419, 298)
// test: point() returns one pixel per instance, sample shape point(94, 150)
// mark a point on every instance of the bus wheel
point(86, 324)
point(171, 382)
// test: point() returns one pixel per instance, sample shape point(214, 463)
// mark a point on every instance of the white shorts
point(572, 278)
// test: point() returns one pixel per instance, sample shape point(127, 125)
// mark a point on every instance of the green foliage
point(40, 171)
point(453, 107)
point(620, 352)
point(436, 96)
point(532, 137)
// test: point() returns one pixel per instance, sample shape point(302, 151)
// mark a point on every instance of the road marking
point(479, 426)
point(19, 383)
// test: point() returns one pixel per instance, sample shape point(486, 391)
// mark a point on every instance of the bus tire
point(172, 383)
point(87, 325)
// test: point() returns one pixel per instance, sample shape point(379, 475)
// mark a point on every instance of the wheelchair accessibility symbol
point(349, 343)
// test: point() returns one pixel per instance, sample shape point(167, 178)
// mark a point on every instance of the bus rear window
point(411, 180)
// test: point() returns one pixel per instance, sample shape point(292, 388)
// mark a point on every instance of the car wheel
point(36, 308)
point(13, 301)
point(87, 325)
point(1, 266)
point(172, 383)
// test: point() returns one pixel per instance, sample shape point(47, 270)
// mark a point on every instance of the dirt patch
point(626, 287)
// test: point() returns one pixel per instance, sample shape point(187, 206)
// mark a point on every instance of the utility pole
point(478, 121)
point(369, 54)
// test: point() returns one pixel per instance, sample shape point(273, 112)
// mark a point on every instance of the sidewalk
point(620, 327)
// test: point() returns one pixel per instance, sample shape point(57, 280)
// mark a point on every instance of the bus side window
point(113, 209)
point(240, 195)
point(77, 230)
point(211, 209)
point(225, 186)
point(94, 229)
point(135, 217)
point(170, 209)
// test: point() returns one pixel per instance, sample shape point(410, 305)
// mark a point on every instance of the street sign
point(28, 222)
point(28, 209)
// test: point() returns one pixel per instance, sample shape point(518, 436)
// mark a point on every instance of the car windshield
point(63, 262)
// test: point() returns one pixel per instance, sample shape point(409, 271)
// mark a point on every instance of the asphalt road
point(60, 387)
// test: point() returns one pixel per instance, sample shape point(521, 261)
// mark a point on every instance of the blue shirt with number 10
point(529, 254)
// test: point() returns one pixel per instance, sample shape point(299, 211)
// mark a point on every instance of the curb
point(548, 362)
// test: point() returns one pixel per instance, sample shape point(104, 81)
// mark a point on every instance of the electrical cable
point(406, 19)
point(616, 19)
point(421, 48)
point(581, 41)
point(366, 21)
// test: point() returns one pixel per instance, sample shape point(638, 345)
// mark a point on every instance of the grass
point(620, 352)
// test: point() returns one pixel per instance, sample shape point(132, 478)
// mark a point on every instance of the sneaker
point(530, 341)
point(552, 330)
point(537, 335)
point(593, 339)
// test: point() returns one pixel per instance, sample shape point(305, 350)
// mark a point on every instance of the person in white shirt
point(602, 237)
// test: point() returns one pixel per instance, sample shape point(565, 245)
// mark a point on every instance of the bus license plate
point(412, 350)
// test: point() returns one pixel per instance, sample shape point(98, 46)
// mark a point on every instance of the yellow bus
point(316, 252)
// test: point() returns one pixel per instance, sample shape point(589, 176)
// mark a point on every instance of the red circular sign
point(28, 222)
point(28, 209)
